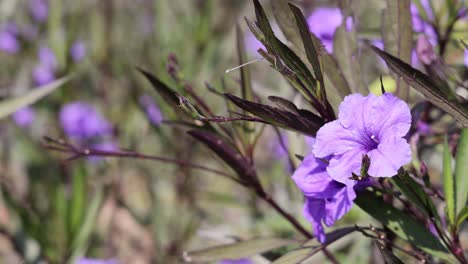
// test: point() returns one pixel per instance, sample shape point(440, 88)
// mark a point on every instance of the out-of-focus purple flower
point(43, 75)
point(152, 110)
point(323, 22)
point(9, 39)
point(423, 128)
point(425, 51)
point(367, 125)
point(236, 261)
point(44, 71)
point(24, 116)
point(47, 57)
point(96, 261)
point(326, 199)
point(106, 145)
point(252, 44)
point(378, 43)
point(349, 23)
point(82, 121)
point(39, 9)
point(421, 26)
point(78, 51)
point(466, 58)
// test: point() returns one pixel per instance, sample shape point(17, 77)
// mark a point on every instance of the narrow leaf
point(461, 169)
point(10, 106)
point(449, 184)
point(415, 193)
point(387, 255)
point(236, 250)
point(276, 47)
point(462, 216)
point(400, 223)
point(425, 85)
point(305, 121)
point(309, 46)
point(225, 151)
point(312, 247)
point(166, 93)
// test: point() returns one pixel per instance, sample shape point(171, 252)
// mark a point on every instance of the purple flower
point(78, 51)
point(107, 145)
point(8, 39)
point(151, 109)
point(425, 51)
point(236, 261)
point(326, 200)
point(24, 116)
point(44, 71)
point(466, 58)
point(252, 44)
point(96, 261)
point(367, 125)
point(323, 22)
point(421, 26)
point(39, 9)
point(82, 121)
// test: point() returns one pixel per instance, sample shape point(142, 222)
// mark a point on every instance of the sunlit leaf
point(425, 85)
point(462, 216)
point(11, 105)
point(236, 250)
point(449, 184)
point(461, 169)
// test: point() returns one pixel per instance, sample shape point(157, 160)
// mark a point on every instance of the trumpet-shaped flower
point(367, 125)
point(326, 199)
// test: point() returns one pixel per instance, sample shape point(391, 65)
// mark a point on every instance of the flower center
point(372, 142)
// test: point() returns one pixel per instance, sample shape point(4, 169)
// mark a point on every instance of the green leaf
point(415, 193)
point(81, 240)
point(286, 22)
point(397, 36)
point(310, 49)
point(449, 184)
point(77, 204)
point(402, 224)
point(236, 250)
point(312, 247)
point(387, 255)
point(276, 47)
point(462, 216)
point(10, 106)
point(464, 44)
point(425, 85)
point(461, 169)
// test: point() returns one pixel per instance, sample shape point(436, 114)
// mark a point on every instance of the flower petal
point(341, 167)
point(313, 180)
point(390, 117)
point(390, 155)
point(314, 211)
point(334, 139)
point(339, 205)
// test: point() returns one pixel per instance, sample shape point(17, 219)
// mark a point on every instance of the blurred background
point(142, 211)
